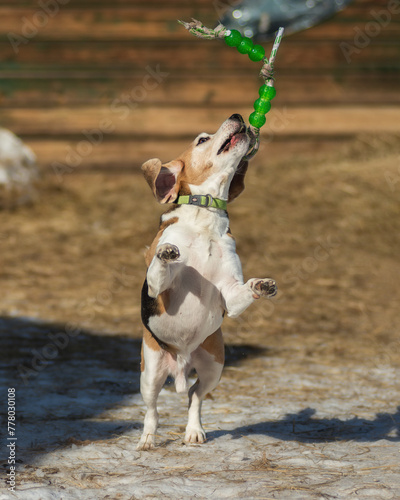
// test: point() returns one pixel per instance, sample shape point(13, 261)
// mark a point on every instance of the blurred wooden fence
point(108, 84)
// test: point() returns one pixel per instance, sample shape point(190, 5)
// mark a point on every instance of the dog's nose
point(237, 117)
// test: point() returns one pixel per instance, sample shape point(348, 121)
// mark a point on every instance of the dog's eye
point(201, 140)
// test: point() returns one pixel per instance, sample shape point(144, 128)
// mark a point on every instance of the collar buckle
point(203, 200)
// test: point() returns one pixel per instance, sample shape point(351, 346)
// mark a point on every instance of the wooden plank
point(363, 10)
point(211, 89)
point(84, 4)
point(357, 11)
point(143, 23)
point(193, 56)
point(356, 31)
point(189, 121)
point(357, 6)
point(128, 23)
point(115, 155)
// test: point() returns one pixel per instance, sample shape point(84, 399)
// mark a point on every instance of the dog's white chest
point(194, 303)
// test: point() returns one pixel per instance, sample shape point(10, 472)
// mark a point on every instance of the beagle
point(194, 275)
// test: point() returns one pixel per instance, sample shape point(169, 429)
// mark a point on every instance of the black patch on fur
point(149, 308)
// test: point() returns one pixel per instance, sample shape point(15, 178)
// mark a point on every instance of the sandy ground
point(307, 407)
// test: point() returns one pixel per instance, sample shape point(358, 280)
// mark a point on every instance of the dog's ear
point(150, 170)
point(163, 179)
point(237, 184)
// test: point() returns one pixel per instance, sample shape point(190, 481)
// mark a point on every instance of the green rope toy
point(245, 45)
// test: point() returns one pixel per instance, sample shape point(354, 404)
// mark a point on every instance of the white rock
point(18, 170)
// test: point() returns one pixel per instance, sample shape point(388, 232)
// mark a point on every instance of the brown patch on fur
point(237, 184)
point(167, 223)
point(162, 302)
point(150, 252)
point(154, 344)
point(214, 345)
point(184, 189)
point(230, 234)
point(189, 175)
point(151, 343)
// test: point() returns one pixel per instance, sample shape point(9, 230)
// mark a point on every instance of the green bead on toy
point(257, 53)
point(246, 45)
point(233, 38)
point(267, 92)
point(257, 119)
point(262, 106)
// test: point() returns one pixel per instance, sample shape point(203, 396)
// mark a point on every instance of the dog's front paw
point(168, 253)
point(264, 288)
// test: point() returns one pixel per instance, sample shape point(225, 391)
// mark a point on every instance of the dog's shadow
point(305, 428)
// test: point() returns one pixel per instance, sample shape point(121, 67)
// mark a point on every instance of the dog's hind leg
point(208, 361)
point(154, 372)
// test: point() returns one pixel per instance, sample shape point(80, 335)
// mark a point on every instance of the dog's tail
point(181, 383)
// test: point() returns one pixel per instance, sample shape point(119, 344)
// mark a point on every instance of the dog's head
point(211, 165)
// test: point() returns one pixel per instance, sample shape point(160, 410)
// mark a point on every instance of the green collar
point(201, 200)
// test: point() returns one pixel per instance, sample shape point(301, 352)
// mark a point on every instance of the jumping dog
point(194, 275)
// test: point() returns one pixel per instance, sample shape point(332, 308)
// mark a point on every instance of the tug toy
point(245, 45)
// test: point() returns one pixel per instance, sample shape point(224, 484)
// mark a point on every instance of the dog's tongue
point(234, 139)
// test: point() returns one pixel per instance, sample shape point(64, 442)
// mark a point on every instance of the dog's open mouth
point(233, 139)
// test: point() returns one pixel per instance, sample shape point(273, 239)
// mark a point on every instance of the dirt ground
point(308, 403)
